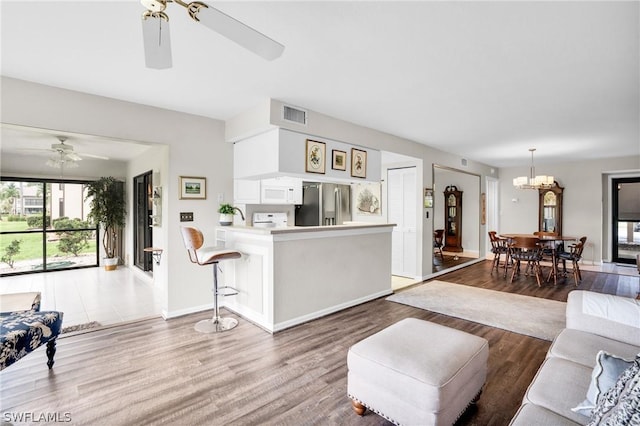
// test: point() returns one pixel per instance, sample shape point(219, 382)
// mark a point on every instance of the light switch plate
point(186, 216)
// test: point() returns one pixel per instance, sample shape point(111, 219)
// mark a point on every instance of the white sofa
point(595, 322)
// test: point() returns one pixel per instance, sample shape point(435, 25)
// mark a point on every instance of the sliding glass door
point(626, 219)
point(43, 226)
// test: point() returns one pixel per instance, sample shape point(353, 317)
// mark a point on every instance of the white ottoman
point(416, 372)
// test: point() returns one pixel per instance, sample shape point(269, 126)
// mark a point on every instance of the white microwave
point(272, 194)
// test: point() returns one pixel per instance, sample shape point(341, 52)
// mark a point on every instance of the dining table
point(550, 241)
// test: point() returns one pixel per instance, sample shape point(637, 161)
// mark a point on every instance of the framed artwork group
point(315, 159)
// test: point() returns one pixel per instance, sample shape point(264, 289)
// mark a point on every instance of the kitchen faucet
point(239, 211)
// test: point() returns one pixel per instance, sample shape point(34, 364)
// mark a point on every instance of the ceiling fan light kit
point(157, 43)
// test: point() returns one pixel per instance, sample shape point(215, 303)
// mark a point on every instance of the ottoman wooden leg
point(358, 408)
point(51, 351)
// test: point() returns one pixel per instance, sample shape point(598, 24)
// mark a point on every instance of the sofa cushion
point(582, 347)
point(604, 375)
point(620, 405)
point(560, 385)
point(583, 315)
point(531, 414)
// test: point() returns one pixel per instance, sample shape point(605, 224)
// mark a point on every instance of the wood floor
point(163, 372)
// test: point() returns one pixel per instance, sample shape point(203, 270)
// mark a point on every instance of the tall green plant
point(107, 208)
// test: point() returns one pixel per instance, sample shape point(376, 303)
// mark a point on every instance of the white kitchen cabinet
point(246, 191)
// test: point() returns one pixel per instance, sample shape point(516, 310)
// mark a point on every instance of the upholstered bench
point(23, 328)
point(416, 372)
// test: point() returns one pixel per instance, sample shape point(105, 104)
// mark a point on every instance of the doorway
point(625, 216)
point(143, 209)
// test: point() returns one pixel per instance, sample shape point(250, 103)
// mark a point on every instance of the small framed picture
point(193, 188)
point(358, 163)
point(428, 198)
point(339, 161)
point(315, 159)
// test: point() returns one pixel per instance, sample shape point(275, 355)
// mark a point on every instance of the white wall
point(196, 147)
point(584, 203)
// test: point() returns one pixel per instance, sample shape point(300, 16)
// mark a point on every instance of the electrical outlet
point(220, 197)
point(186, 216)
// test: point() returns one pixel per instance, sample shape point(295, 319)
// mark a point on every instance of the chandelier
point(533, 181)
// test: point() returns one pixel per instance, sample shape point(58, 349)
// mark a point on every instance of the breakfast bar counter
point(291, 275)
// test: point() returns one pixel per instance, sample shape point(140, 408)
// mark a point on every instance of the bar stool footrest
point(227, 291)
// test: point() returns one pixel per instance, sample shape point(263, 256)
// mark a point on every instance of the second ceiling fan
point(157, 41)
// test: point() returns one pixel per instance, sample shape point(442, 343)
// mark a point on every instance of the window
point(38, 234)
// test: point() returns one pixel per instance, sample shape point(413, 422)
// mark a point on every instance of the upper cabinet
point(281, 152)
point(246, 191)
point(550, 209)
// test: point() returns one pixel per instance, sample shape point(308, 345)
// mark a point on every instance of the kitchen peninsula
point(290, 275)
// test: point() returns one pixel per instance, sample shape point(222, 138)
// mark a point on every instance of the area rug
point(532, 316)
point(78, 327)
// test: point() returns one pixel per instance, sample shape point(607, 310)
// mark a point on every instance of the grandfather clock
point(452, 219)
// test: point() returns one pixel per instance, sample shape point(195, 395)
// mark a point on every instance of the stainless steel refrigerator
point(324, 204)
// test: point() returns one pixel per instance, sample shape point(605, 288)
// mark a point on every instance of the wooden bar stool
point(193, 241)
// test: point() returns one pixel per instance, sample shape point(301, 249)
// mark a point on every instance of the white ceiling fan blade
point(238, 32)
point(71, 156)
point(157, 41)
point(99, 157)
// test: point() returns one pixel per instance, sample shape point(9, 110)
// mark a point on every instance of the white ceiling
point(485, 80)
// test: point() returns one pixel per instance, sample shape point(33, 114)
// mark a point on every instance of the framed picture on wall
point(339, 160)
point(358, 163)
point(428, 198)
point(193, 188)
point(315, 158)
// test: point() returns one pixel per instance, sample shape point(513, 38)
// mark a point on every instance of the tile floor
point(92, 294)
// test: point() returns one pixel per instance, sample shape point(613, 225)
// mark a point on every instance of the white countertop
point(301, 229)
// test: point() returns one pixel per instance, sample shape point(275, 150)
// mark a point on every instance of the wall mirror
point(456, 211)
point(550, 209)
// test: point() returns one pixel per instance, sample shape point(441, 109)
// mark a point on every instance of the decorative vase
point(110, 263)
point(226, 219)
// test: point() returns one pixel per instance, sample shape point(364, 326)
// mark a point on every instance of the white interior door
point(401, 210)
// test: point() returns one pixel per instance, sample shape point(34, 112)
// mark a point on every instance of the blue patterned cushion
point(605, 374)
point(25, 331)
point(620, 405)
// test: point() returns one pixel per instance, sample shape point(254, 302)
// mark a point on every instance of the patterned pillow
point(604, 375)
point(620, 405)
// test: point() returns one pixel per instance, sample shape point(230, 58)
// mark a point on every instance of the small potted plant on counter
point(227, 211)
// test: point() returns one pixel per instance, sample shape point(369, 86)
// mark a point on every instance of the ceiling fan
point(64, 155)
point(157, 42)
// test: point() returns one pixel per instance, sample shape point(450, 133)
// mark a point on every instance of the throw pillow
point(620, 405)
point(604, 375)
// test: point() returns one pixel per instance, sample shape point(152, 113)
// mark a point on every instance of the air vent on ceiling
point(294, 115)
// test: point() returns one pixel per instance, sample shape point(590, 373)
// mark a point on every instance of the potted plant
point(107, 209)
point(227, 211)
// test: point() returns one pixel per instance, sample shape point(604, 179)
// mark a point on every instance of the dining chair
point(574, 255)
point(526, 249)
point(498, 248)
point(438, 241)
